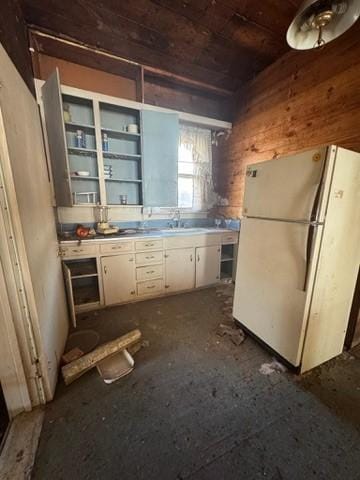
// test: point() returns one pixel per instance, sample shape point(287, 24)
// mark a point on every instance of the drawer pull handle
point(191, 259)
point(117, 247)
point(198, 258)
point(149, 258)
point(132, 292)
point(105, 270)
point(149, 244)
point(151, 286)
point(150, 272)
point(131, 259)
point(76, 250)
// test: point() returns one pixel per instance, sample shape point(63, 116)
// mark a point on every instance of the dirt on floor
point(200, 406)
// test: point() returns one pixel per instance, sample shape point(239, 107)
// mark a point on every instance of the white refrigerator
point(299, 253)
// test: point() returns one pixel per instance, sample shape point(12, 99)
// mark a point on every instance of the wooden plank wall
point(13, 38)
point(82, 74)
point(303, 100)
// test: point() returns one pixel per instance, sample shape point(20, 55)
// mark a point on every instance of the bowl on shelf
point(82, 173)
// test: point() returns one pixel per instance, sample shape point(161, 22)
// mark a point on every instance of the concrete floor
point(197, 407)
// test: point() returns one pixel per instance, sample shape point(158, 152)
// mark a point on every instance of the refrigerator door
point(272, 269)
point(285, 188)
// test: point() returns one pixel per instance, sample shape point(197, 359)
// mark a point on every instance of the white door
point(28, 189)
point(69, 293)
point(284, 188)
point(207, 265)
point(118, 272)
point(272, 269)
point(179, 269)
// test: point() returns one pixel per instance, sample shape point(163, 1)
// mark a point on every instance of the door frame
point(20, 374)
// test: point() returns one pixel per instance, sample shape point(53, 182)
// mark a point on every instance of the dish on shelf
point(82, 173)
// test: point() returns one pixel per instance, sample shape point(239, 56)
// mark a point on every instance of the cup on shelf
point(123, 199)
point(133, 128)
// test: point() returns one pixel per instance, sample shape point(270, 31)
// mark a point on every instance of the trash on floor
point(75, 369)
point(116, 366)
point(230, 329)
point(72, 355)
point(274, 366)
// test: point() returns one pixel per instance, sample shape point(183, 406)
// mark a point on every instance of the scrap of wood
point(71, 355)
point(75, 369)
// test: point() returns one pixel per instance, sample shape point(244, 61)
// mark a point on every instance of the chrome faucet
point(177, 218)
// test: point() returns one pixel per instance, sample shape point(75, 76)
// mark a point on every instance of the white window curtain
point(195, 163)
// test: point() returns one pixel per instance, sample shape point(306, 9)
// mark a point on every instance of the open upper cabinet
point(106, 153)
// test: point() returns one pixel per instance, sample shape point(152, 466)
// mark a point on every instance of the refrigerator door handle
point(309, 243)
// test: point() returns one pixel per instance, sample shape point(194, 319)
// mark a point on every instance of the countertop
point(153, 233)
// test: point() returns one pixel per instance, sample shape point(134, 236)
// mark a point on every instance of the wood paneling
point(303, 100)
point(155, 91)
point(14, 39)
point(222, 42)
point(162, 94)
point(79, 76)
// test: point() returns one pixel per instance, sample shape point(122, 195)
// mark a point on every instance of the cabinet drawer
point(148, 245)
point(146, 273)
point(147, 258)
point(81, 250)
point(116, 247)
point(231, 237)
point(150, 288)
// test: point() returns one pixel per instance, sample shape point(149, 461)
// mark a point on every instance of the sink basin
point(183, 230)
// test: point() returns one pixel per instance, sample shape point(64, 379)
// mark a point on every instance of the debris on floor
point(75, 369)
point(72, 355)
point(116, 366)
point(230, 329)
point(273, 367)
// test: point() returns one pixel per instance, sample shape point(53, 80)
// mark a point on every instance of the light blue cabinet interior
point(108, 153)
point(160, 132)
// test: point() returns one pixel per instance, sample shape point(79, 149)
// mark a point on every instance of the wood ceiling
point(222, 43)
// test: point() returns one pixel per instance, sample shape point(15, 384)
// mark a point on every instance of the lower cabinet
point(118, 275)
point(207, 265)
point(179, 269)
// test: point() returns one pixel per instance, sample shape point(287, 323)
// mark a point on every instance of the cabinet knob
point(131, 259)
point(105, 270)
point(198, 258)
point(167, 286)
point(132, 292)
point(191, 258)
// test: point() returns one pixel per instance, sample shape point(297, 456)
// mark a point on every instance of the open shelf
point(120, 133)
point(82, 177)
point(79, 126)
point(125, 156)
point(226, 257)
point(82, 268)
point(85, 151)
point(85, 290)
point(122, 180)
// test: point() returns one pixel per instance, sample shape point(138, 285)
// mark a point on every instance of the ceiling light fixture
point(318, 22)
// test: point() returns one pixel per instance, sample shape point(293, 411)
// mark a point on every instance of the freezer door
point(284, 188)
point(272, 267)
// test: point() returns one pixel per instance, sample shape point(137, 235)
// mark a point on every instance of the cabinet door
point(207, 265)
point(160, 158)
point(179, 269)
point(69, 293)
point(118, 273)
point(53, 111)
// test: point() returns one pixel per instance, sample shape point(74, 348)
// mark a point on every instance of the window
point(195, 186)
